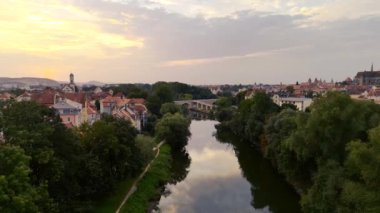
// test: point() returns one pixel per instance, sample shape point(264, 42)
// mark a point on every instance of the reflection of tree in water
point(180, 166)
point(269, 189)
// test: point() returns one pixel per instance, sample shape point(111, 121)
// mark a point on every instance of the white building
point(71, 87)
point(300, 103)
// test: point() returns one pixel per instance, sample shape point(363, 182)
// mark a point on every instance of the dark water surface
point(221, 177)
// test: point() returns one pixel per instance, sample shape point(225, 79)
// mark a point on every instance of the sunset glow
point(54, 29)
point(240, 41)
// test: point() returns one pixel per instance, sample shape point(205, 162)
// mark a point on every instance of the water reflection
point(269, 189)
point(180, 167)
point(214, 182)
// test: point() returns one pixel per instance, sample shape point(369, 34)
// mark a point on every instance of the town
point(77, 106)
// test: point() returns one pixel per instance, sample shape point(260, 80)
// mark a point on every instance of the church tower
point(372, 67)
point(71, 78)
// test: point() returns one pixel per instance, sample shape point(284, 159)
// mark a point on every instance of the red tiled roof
point(119, 94)
point(99, 96)
point(91, 109)
point(137, 101)
point(46, 97)
point(80, 97)
point(140, 109)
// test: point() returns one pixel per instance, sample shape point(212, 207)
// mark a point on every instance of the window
point(68, 119)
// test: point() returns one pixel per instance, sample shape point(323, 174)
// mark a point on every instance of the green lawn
point(112, 202)
point(148, 188)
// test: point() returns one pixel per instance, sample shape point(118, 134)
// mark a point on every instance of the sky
point(191, 41)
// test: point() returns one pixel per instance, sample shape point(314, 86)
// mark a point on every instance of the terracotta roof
point(91, 109)
point(80, 97)
point(137, 101)
point(100, 95)
point(140, 109)
point(119, 94)
point(46, 97)
point(110, 100)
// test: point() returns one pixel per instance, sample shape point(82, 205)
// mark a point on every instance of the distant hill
point(93, 83)
point(25, 83)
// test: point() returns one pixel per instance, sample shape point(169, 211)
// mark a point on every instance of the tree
point(154, 104)
point(97, 104)
point(145, 144)
point(253, 114)
point(322, 196)
point(174, 130)
point(163, 91)
point(289, 106)
point(361, 190)
point(17, 194)
point(169, 108)
point(290, 90)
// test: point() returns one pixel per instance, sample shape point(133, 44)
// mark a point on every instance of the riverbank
point(111, 203)
point(148, 188)
point(220, 177)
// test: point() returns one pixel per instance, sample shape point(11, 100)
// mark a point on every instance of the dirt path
point(134, 185)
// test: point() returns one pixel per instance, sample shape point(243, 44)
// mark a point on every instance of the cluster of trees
point(132, 90)
point(46, 167)
point(331, 153)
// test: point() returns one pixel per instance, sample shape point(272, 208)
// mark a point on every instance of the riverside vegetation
point(46, 167)
point(330, 153)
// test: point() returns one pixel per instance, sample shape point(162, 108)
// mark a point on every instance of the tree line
point(330, 154)
point(46, 167)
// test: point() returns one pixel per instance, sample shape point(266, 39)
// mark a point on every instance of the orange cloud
point(199, 61)
point(51, 28)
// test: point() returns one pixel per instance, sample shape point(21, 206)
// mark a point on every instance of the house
point(78, 104)
point(133, 110)
point(69, 111)
point(47, 97)
point(215, 90)
point(250, 93)
point(91, 114)
point(98, 90)
point(5, 96)
point(107, 104)
point(300, 103)
point(26, 96)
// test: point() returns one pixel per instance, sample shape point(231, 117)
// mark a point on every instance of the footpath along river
point(220, 177)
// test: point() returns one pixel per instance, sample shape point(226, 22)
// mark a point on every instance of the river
point(220, 177)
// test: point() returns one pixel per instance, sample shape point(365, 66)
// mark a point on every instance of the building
point(5, 96)
point(368, 77)
point(133, 110)
point(98, 90)
point(71, 87)
point(26, 96)
point(70, 112)
point(107, 104)
point(91, 115)
point(300, 103)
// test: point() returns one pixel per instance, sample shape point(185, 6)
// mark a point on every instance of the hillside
point(23, 83)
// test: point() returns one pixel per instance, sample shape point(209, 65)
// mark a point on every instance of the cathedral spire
point(372, 67)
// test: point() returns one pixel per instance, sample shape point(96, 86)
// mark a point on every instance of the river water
point(220, 177)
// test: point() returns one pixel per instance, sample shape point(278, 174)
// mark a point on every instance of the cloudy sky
point(192, 41)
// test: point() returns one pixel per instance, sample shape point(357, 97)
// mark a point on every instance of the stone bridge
point(205, 105)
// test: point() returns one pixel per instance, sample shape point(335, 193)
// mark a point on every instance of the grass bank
point(148, 188)
point(111, 203)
